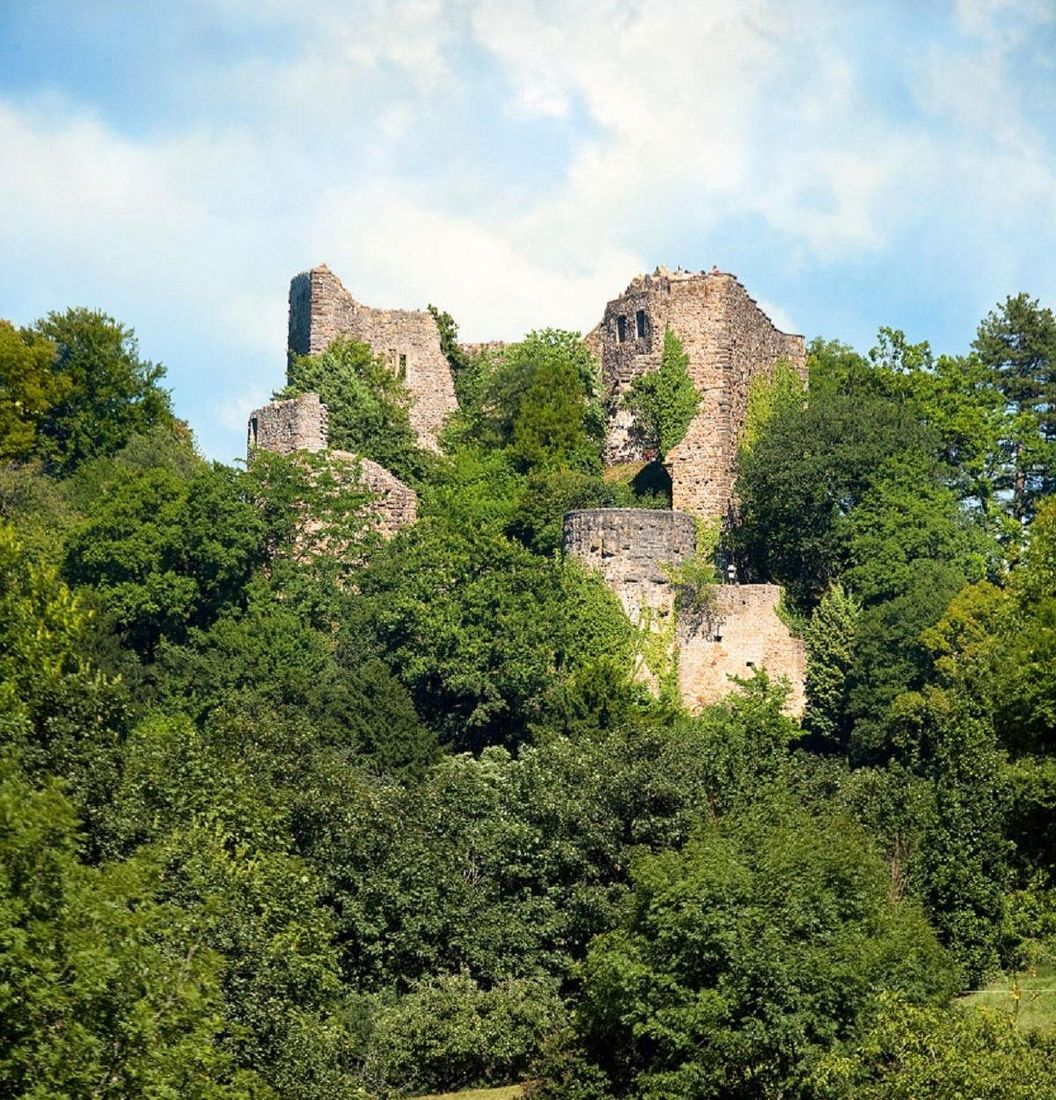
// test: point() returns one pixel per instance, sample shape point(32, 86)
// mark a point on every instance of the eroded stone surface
point(743, 634)
point(321, 310)
point(300, 424)
point(631, 547)
point(729, 341)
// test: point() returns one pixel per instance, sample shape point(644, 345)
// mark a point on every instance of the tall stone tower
point(729, 341)
point(321, 310)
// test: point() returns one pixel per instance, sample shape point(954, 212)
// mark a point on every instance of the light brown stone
point(321, 310)
point(729, 342)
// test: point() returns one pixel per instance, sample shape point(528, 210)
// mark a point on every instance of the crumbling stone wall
point(742, 631)
point(321, 310)
point(729, 342)
point(300, 424)
point(629, 546)
point(296, 424)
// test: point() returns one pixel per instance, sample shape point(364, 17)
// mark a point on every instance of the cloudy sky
point(857, 164)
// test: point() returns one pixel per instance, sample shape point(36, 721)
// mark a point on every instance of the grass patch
point(1030, 998)
point(507, 1092)
point(623, 471)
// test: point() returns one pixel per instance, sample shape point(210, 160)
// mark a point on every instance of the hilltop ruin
point(729, 341)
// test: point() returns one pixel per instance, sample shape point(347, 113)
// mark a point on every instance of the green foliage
point(539, 398)
point(783, 388)
point(1017, 344)
point(104, 393)
point(368, 404)
point(664, 401)
point(29, 389)
point(831, 640)
point(906, 1051)
point(58, 712)
point(740, 960)
point(102, 993)
point(482, 632)
point(448, 1032)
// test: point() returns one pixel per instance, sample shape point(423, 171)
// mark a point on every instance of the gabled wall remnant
point(321, 310)
point(729, 341)
point(633, 549)
point(299, 424)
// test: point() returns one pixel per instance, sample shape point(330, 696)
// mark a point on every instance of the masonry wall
point(297, 424)
point(729, 342)
point(744, 634)
point(300, 424)
point(630, 546)
point(321, 310)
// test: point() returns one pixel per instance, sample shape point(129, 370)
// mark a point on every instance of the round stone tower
point(630, 546)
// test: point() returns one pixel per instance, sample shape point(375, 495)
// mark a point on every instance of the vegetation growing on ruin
point(277, 823)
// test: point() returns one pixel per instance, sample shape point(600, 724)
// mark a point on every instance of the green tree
point(29, 389)
point(368, 403)
point(905, 1051)
point(740, 960)
point(108, 392)
point(1017, 344)
point(831, 640)
point(101, 992)
point(664, 401)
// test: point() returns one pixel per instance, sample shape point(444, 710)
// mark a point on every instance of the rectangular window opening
point(639, 324)
point(253, 431)
point(621, 328)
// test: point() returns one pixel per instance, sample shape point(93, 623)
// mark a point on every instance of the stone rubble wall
point(321, 310)
point(300, 424)
point(729, 341)
point(629, 546)
point(744, 634)
point(296, 424)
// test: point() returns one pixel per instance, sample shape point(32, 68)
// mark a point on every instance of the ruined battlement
point(630, 547)
point(300, 424)
point(729, 341)
point(322, 310)
point(296, 424)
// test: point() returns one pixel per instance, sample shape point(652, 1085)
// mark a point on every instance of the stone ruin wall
point(630, 547)
point(321, 310)
point(729, 341)
point(744, 633)
point(300, 424)
point(297, 424)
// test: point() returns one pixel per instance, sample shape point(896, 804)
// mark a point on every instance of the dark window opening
point(253, 431)
point(621, 328)
point(639, 324)
point(718, 638)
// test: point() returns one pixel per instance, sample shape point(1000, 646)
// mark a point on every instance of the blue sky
point(517, 162)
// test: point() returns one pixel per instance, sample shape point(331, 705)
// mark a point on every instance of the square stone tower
point(729, 341)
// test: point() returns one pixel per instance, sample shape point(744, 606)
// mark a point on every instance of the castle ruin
point(729, 341)
point(636, 550)
point(300, 424)
point(322, 311)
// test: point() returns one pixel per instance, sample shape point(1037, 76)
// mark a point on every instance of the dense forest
point(289, 810)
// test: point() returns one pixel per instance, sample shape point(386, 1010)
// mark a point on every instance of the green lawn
point(1031, 999)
